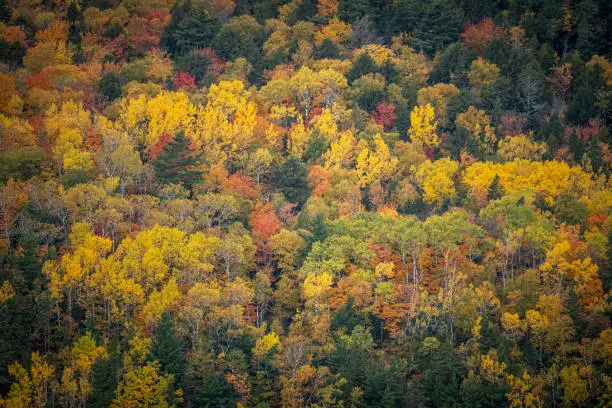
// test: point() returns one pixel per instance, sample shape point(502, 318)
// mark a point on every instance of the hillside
point(301, 203)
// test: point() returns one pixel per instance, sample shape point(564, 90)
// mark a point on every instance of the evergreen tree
point(495, 191)
point(105, 380)
point(110, 86)
point(319, 228)
point(364, 64)
point(5, 11)
point(189, 28)
point(167, 348)
point(595, 153)
point(290, 179)
point(177, 163)
point(576, 146)
point(351, 10)
point(75, 20)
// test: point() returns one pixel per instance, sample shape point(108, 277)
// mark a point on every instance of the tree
point(143, 386)
point(436, 180)
point(423, 127)
point(290, 178)
point(189, 29)
point(177, 163)
point(105, 381)
point(167, 349)
point(495, 191)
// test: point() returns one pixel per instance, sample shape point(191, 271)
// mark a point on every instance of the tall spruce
point(495, 191)
point(177, 163)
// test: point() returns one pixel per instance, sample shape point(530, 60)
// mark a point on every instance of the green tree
point(495, 190)
point(290, 179)
point(168, 349)
point(105, 380)
point(177, 163)
point(190, 28)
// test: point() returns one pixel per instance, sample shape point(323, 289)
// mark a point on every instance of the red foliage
point(15, 34)
point(142, 34)
point(584, 133)
point(385, 115)
point(217, 65)
point(511, 125)
point(157, 148)
point(264, 224)
point(477, 37)
point(183, 80)
point(41, 80)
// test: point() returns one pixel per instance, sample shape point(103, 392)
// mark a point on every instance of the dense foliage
point(300, 203)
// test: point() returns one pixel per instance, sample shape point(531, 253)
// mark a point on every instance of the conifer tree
point(177, 163)
point(495, 191)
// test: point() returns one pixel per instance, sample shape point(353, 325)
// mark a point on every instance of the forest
point(305, 203)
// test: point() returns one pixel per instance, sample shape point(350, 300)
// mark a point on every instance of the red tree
point(385, 115)
point(477, 37)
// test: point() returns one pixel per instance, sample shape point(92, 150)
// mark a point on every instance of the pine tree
point(177, 163)
point(495, 191)
point(105, 380)
point(290, 179)
point(167, 348)
point(576, 147)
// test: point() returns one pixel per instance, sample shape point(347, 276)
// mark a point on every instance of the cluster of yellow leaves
point(482, 73)
point(341, 153)
point(521, 147)
point(148, 118)
point(379, 53)
point(224, 128)
point(29, 389)
point(265, 344)
point(436, 179)
point(376, 165)
point(437, 96)
point(316, 290)
point(336, 31)
point(549, 179)
point(75, 385)
point(523, 394)
point(423, 126)
point(7, 292)
point(478, 123)
point(15, 133)
point(561, 265)
point(66, 129)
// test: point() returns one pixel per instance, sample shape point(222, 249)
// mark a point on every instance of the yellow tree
point(30, 389)
point(376, 165)
point(70, 276)
point(75, 386)
point(521, 147)
point(482, 73)
point(225, 127)
point(438, 96)
point(436, 179)
point(423, 126)
point(478, 124)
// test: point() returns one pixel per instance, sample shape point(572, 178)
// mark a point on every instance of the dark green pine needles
point(177, 163)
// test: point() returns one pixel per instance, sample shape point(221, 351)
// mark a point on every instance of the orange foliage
point(478, 36)
point(240, 184)
point(264, 221)
point(318, 179)
point(7, 90)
